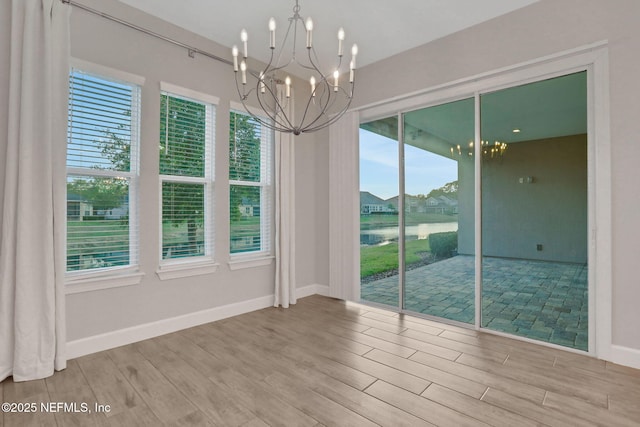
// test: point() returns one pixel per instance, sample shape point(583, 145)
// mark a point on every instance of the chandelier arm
point(329, 122)
point(273, 117)
point(316, 67)
point(327, 106)
point(324, 104)
point(335, 117)
point(241, 94)
point(278, 110)
point(313, 65)
point(284, 43)
point(269, 124)
point(268, 68)
point(274, 69)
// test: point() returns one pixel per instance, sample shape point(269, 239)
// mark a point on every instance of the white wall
point(90, 314)
point(545, 28)
point(551, 211)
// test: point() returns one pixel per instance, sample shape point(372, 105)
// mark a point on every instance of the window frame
point(174, 268)
point(108, 277)
point(265, 255)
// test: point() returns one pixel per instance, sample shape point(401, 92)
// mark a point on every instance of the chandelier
point(488, 150)
point(329, 96)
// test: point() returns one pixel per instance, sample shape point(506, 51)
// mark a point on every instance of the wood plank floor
point(325, 362)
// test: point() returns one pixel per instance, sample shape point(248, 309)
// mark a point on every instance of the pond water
point(384, 235)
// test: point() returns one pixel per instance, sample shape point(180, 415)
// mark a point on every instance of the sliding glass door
point(379, 213)
point(511, 161)
point(439, 277)
point(535, 210)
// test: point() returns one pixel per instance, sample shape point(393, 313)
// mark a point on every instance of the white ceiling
point(381, 28)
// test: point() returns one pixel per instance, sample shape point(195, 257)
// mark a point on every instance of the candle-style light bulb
point(340, 40)
point(287, 82)
point(312, 80)
point(272, 33)
point(234, 52)
point(336, 76)
point(244, 37)
point(351, 72)
point(243, 68)
point(309, 26)
point(354, 53)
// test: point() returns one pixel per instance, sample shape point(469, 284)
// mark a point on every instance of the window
point(186, 176)
point(102, 173)
point(250, 204)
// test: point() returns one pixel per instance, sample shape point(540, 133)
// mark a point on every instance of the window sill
point(186, 269)
point(250, 262)
point(75, 285)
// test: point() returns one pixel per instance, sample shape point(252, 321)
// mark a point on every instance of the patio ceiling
point(546, 109)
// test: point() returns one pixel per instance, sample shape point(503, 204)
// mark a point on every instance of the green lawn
point(83, 235)
point(376, 259)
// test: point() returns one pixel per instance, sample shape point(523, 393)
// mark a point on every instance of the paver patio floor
point(542, 300)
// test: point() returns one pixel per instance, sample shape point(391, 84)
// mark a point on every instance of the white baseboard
point(312, 290)
point(145, 331)
point(625, 356)
point(106, 341)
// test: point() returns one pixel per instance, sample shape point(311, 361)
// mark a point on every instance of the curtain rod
point(190, 49)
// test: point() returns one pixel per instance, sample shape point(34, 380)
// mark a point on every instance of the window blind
point(183, 135)
point(186, 159)
point(101, 172)
point(100, 122)
point(250, 176)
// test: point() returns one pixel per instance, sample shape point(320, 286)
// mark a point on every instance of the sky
point(424, 171)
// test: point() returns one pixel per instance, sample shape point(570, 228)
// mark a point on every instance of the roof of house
point(367, 198)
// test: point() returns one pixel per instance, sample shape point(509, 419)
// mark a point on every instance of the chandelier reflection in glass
point(330, 95)
point(488, 150)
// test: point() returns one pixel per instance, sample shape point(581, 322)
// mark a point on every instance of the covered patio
point(541, 300)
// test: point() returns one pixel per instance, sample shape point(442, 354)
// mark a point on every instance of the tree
point(106, 193)
point(182, 153)
point(450, 189)
point(183, 128)
point(103, 193)
point(244, 161)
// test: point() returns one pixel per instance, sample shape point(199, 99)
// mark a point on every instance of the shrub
point(443, 244)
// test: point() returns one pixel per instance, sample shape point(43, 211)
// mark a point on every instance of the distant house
point(370, 203)
point(441, 204)
point(419, 204)
point(77, 207)
point(119, 212)
point(248, 209)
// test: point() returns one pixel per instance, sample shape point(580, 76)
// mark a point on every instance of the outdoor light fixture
point(330, 94)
